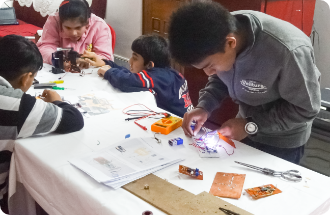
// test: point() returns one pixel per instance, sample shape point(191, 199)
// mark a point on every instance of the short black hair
point(198, 30)
point(18, 55)
point(152, 48)
point(75, 9)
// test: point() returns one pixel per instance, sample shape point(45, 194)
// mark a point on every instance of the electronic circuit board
point(196, 173)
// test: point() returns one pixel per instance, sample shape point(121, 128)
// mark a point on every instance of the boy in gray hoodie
point(264, 64)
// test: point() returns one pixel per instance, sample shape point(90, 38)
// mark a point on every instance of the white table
point(41, 164)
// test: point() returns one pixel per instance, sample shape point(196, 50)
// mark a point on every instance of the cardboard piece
point(229, 185)
point(174, 200)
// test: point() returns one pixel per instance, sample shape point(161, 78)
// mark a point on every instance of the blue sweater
point(169, 87)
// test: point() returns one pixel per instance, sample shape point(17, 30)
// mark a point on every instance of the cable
point(142, 114)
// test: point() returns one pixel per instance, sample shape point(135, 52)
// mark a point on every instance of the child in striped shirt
point(22, 115)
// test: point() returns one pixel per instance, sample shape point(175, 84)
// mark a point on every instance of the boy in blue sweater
point(149, 71)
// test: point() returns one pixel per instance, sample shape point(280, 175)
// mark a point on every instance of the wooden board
point(174, 200)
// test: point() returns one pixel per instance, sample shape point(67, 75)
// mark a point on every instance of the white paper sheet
point(125, 161)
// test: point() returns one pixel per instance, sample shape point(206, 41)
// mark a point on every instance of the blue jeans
point(290, 154)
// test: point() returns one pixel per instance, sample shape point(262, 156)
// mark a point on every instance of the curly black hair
point(152, 48)
point(198, 30)
point(18, 55)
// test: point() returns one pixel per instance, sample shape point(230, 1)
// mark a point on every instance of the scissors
point(290, 175)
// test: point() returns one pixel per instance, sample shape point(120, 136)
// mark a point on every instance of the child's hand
point(94, 60)
point(103, 70)
point(83, 63)
point(51, 96)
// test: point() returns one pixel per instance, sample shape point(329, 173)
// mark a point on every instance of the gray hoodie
point(274, 81)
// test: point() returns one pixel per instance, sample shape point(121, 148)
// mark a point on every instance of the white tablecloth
point(41, 165)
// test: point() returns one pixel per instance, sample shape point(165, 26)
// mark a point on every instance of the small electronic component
point(175, 141)
point(166, 125)
point(208, 152)
point(146, 187)
point(263, 191)
point(121, 149)
point(196, 173)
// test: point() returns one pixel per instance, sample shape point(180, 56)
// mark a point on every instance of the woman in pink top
point(75, 26)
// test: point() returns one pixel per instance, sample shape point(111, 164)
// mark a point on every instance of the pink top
point(98, 34)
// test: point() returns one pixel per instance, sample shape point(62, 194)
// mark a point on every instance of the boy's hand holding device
point(51, 96)
point(234, 129)
point(83, 63)
point(93, 59)
point(198, 115)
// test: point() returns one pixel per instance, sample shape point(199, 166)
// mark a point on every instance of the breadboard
point(174, 200)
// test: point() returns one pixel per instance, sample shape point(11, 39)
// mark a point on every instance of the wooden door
point(156, 15)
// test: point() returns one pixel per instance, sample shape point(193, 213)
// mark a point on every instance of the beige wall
point(125, 16)
point(322, 40)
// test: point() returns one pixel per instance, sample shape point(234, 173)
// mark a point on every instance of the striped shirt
point(22, 115)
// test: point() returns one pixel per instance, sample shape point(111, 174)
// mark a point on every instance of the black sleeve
point(72, 119)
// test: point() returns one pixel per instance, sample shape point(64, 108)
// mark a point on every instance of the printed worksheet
point(107, 164)
point(139, 153)
point(125, 161)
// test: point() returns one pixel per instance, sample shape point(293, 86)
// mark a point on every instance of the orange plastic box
point(166, 125)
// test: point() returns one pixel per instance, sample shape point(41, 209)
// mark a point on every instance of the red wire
point(137, 112)
point(143, 117)
point(63, 76)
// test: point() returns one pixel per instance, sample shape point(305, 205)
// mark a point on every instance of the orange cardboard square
point(228, 185)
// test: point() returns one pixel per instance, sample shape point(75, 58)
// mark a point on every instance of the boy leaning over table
point(264, 64)
point(22, 115)
point(150, 70)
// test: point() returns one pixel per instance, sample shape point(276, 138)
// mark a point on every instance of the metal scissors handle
point(290, 175)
